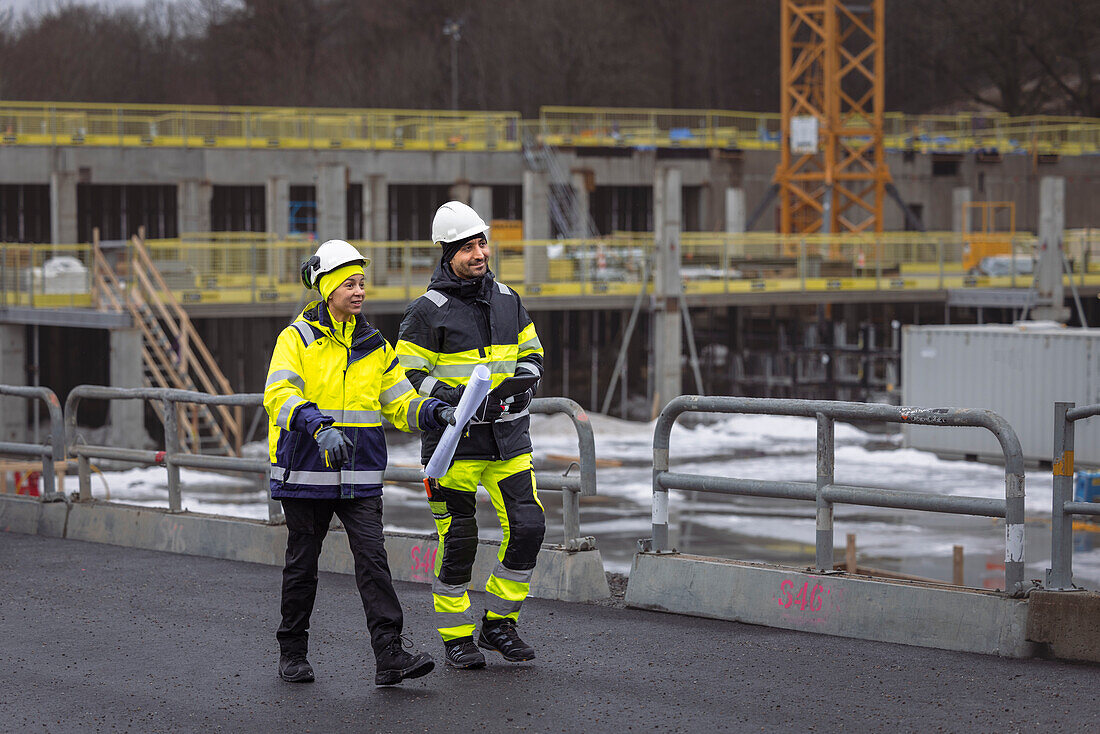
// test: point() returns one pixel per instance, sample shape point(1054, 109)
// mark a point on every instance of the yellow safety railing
point(138, 125)
point(590, 126)
point(46, 276)
point(239, 268)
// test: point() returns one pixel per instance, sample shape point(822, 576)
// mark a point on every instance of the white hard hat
point(330, 255)
point(456, 221)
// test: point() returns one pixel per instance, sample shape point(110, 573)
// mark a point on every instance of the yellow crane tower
point(832, 175)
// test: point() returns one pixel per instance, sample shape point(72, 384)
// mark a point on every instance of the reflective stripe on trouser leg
point(506, 591)
point(511, 487)
point(453, 508)
point(452, 606)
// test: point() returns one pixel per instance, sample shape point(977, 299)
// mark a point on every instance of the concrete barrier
point(927, 615)
point(560, 574)
point(1065, 624)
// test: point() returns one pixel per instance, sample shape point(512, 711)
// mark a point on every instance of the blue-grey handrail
point(48, 453)
point(824, 491)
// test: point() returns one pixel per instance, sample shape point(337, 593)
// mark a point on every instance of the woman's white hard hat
point(332, 254)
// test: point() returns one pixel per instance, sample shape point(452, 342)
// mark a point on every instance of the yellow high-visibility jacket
point(347, 376)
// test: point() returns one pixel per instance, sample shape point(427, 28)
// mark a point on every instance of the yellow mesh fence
point(47, 123)
point(248, 268)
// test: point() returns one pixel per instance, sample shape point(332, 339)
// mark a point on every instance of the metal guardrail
point(48, 453)
point(825, 492)
point(172, 457)
point(1060, 574)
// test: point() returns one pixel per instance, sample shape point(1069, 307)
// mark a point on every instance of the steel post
point(84, 472)
point(171, 448)
point(1060, 573)
point(825, 465)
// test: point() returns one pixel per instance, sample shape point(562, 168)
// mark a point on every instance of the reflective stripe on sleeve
point(531, 345)
point(414, 362)
point(529, 367)
point(414, 408)
point(289, 375)
point(286, 411)
point(427, 386)
point(397, 390)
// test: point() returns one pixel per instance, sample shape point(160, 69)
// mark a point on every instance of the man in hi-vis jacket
point(467, 318)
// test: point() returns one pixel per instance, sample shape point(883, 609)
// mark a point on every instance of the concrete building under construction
point(626, 231)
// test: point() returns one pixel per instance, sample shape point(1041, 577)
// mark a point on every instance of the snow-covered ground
point(746, 446)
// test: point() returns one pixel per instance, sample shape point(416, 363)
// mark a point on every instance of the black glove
point(490, 409)
point(443, 414)
point(518, 403)
point(448, 393)
point(336, 448)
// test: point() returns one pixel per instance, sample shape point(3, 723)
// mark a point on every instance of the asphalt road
point(103, 638)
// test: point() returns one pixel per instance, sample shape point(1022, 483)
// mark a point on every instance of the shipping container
point(1017, 371)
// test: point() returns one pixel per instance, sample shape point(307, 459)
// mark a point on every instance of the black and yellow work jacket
point(455, 326)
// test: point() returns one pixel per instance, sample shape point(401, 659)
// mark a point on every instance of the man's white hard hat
point(455, 221)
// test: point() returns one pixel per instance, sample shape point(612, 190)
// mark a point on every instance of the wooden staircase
point(173, 353)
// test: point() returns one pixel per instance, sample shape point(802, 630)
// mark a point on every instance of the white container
point(1017, 371)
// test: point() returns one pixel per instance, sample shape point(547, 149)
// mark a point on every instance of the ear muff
point(309, 268)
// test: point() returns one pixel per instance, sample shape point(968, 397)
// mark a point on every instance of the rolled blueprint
point(472, 396)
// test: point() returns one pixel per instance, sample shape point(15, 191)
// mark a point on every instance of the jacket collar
point(316, 315)
point(445, 280)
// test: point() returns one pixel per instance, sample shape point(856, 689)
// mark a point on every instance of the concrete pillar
point(63, 207)
point(735, 210)
point(13, 371)
point(536, 206)
point(332, 202)
point(376, 226)
point(125, 418)
point(960, 196)
point(193, 199)
point(667, 285)
point(1048, 275)
point(481, 200)
point(277, 205)
point(460, 191)
point(536, 226)
point(579, 181)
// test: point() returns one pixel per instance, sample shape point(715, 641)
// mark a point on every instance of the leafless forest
point(1019, 56)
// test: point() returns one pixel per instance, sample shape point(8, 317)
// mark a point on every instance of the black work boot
point(501, 635)
point(294, 667)
point(463, 654)
point(395, 665)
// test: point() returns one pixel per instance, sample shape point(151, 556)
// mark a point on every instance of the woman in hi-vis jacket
point(331, 381)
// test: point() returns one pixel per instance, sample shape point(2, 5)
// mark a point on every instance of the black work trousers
point(307, 523)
